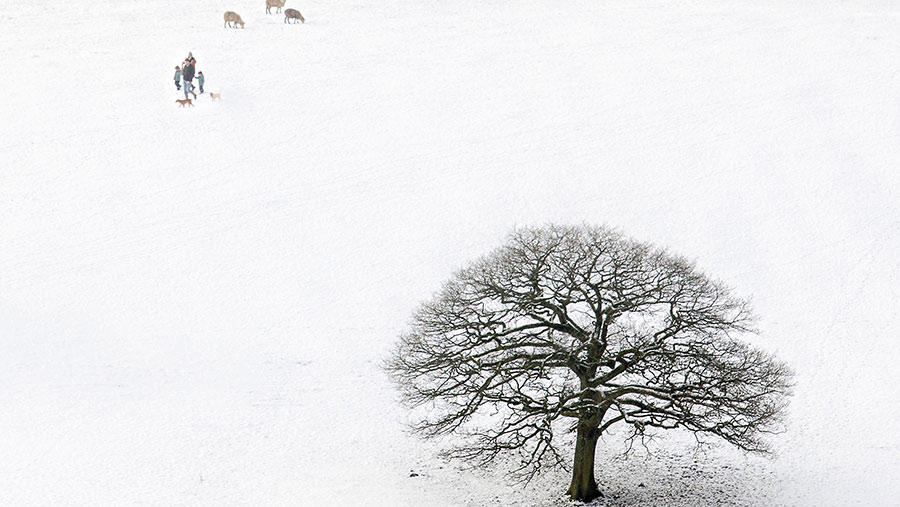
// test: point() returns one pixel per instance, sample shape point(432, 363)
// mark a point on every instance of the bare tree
point(578, 329)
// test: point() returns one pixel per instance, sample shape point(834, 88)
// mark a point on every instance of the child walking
point(200, 80)
point(177, 77)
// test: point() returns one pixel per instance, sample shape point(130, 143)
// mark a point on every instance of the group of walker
point(185, 74)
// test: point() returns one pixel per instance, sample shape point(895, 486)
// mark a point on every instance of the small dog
point(185, 102)
point(215, 96)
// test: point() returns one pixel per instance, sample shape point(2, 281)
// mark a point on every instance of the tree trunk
point(584, 487)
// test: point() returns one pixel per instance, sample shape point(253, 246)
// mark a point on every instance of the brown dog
point(215, 96)
point(185, 102)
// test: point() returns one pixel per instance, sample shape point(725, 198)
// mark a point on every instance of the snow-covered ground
point(194, 302)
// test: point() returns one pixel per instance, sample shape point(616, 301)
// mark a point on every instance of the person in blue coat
point(177, 77)
point(200, 80)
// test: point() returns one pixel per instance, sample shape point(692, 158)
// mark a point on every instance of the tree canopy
point(580, 328)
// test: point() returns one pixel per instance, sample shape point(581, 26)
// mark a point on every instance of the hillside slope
point(194, 301)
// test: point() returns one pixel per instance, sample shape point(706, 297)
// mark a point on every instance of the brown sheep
point(278, 4)
point(234, 18)
point(293, 14)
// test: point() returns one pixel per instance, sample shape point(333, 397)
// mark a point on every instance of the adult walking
point(187, 73)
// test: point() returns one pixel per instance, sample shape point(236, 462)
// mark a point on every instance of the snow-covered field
point(194, 302)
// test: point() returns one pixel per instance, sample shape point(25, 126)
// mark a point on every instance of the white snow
point(194, 301)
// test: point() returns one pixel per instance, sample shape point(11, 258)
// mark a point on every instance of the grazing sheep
point(278, 4)
point(292, 14)
point(234, 18)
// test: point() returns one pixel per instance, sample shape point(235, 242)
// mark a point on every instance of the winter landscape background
point(194, 303)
